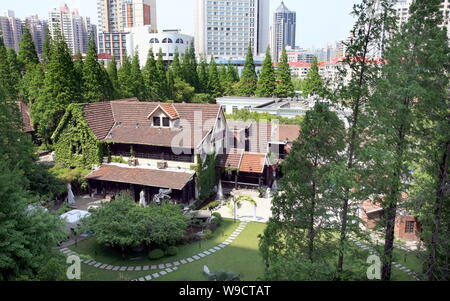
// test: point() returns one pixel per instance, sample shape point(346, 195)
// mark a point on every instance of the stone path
point(165, 268)
point(396, 264)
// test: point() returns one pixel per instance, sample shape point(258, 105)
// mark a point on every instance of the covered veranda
point(111, 179)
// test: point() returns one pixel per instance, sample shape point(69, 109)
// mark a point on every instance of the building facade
point(11, 29)
point(402, 8)
point(117, 18)
point(141, 39)
point(283, 30)
point(75, 29)
point(225, 29)
point(37, 29)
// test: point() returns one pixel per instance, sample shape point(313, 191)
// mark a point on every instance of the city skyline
point(333, 24)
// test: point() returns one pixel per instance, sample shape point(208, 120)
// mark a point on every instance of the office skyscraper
point(225, 29)
point(283, 30)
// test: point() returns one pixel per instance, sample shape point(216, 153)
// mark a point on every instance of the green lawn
point(241, 257)
point(106, 255)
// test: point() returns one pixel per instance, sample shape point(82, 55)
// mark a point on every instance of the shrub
point(172, 251)
point(156, 254)
point(207, 234)
point(217, 218)
point(211, 206)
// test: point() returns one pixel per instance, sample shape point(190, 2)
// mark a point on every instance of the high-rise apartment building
point(225, 29)
point(402, 8)
point(74, 28)
point(117, 17)
point(11, 29)
point(283, 30)
point(37, 29)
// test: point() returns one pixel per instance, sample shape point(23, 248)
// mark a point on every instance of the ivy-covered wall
point(208, 176)
point(75, 144)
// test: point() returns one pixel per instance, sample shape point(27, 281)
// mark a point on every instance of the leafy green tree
point(95, 85)
point(78, 66)
point(313, 84)
point(414, 91)
point(46, 46)
point(190, 68)
point(27, 235)
point(214, 85)
point(27, 49)
point(367, 34)
point(249, 79)
point(124, 224)
point(53, 270)
point(32, 83)
point(284, 88)
point(114, 78)
point(183, 92)
point(137, 79)
point(266, 83)
point(16, 72)
point(161, 80)
point(60, 89)
point(203, 76)
point(302, 223)
point(170, 84)
point(176, 65)
point(125, 80)
point(6, 81)
point(150, 75)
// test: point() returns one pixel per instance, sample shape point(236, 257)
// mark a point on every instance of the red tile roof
point(253, 163)
point(170, 110)
point(141, 176)
point(126, 121)
point(231, 160)
point(287, 133)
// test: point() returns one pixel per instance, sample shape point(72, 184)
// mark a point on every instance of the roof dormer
point(164, 116)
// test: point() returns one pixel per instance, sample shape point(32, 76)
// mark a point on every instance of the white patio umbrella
point(142, 201)
point(70, 195)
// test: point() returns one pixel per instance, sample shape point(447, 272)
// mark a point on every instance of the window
point(167, 41)
point(247, 145)
point(154, 40)
point(156, 121)
point(166, 121)
point(409, 227)
point(179, 41)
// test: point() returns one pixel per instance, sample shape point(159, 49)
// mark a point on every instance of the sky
point(318, 21)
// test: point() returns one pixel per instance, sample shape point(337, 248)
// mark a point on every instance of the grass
point(106, 255)
point(241, 257)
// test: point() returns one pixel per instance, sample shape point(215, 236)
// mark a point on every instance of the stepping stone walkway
point(195, 257)
point(396, 264)
point(165, 268)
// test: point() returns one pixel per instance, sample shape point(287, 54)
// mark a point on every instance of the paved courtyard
point(246, 212)
point(84, 202)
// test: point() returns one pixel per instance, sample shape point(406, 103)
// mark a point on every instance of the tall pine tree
point(27, 49)
point(249, 79)
point(299, 241)
point(214, 84)
point(266, 83)
point(313, 84)
point(95, 86)
point(60, 89)
point(284, 88)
